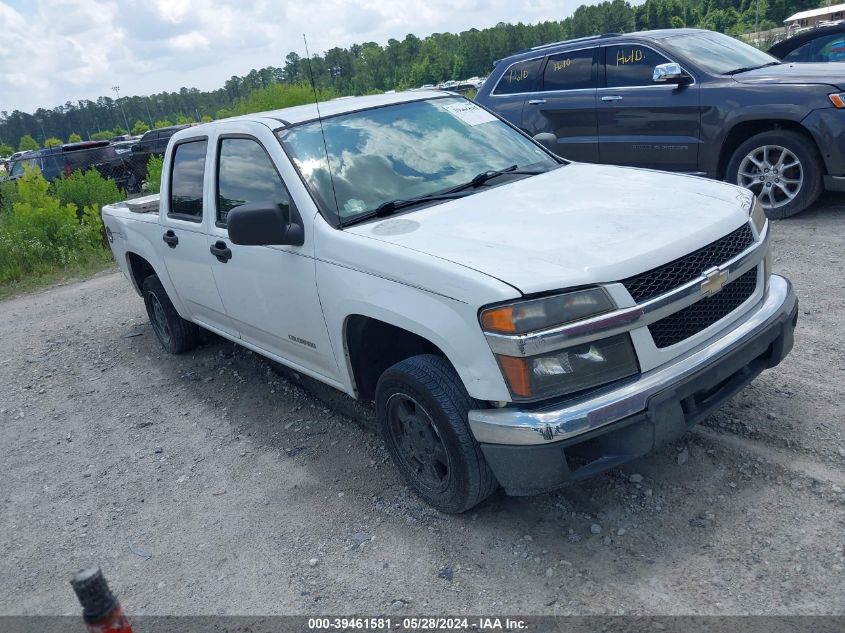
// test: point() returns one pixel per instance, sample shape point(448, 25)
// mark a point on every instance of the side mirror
point(547, 140)
point(263, 224)
point(670, 73)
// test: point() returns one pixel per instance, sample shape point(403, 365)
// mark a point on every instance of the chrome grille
point(702, 314)
point(684, 269)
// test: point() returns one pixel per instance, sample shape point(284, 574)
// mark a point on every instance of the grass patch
point(79, 270)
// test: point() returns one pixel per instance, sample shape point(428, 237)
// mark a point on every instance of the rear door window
point(186, 181)
point(631, 65)
point(570, 71)
point(519, 77)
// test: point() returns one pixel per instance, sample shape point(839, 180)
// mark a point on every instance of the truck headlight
point(537, 314)
point(758, 216)
point(569, 370)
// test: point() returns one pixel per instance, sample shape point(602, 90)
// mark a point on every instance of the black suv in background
point(683, 100)
point(155, 141)
point(820, 44)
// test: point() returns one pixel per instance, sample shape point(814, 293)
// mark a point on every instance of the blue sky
point(53, 51)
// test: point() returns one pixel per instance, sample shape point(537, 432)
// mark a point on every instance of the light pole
point(147, 107)
point(43, 135)
point(117, 92)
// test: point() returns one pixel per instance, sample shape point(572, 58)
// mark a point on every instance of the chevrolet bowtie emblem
point(716, 280)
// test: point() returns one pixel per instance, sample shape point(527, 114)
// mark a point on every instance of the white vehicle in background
point(517, 320)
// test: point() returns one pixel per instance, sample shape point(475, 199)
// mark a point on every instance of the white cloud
point(53, 51)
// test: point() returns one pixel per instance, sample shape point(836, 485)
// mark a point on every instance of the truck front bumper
point(536, 450)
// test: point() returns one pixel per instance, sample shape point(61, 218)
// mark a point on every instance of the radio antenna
point(320, 121)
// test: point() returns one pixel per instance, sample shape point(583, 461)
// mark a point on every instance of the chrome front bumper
point(521, 427)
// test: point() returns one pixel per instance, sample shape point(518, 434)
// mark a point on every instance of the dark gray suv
point(683, 100)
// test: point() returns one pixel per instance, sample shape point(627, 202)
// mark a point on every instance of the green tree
point(74, 138)
point(183, 120)
point(206, 118)
point(27, 142)
point(162, 123)
point(154, 167)
point(53, 142)
point(86, 188)
point(6, 149)
point(101, 136)
point(139, 128)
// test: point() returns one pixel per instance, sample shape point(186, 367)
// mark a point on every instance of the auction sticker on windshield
point(469, 113)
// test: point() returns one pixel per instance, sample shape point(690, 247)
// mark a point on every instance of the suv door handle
point(612, 98)
point(536, 101)
point(170, 239)
point(222, 252)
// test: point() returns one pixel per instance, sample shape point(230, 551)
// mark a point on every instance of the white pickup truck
point(518, 320)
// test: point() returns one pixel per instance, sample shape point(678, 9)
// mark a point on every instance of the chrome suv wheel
point(773, 173)
point(782, 167)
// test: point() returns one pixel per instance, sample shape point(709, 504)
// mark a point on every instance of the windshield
point(17, 168)
point(404, 151)
point(716, 53)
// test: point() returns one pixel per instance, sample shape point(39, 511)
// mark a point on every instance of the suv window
point(570, 71)
point(631, 65)
point(186, 180)
point(246, 174)
point(519, 77)
point(830, 48)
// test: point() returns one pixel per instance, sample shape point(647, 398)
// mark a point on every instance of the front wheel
point(422, 408)
point(782, 168)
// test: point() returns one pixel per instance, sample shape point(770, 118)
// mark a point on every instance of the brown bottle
point(101, 611)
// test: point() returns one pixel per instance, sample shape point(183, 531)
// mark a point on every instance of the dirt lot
point(208, 484)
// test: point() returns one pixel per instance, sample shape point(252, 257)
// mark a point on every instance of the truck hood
point(576, 225)
point(830, 74)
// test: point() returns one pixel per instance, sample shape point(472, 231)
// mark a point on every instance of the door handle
point(536, 101)
point(612, 98)
point(222, 252)
point(170, 239)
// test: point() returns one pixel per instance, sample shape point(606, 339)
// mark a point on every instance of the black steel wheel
point(175, 334)
point(420, 447)
point(422, 408)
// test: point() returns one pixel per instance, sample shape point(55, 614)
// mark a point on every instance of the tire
point(778, 191)
point(175, 334)
point(425, 395)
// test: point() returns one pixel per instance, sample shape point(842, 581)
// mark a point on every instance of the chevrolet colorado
point(518, 320)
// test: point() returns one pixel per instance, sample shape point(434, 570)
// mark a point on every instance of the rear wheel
point(782, 168)
point(422, 409)
point(175, 334)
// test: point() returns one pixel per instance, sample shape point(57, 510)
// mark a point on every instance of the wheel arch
point(744, 130)
point(139, 269)
point(372, 345)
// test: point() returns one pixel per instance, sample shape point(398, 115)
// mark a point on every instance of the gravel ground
point(209, 484)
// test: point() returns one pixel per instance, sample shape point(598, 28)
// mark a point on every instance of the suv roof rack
point(553, 44)
point(572, 41)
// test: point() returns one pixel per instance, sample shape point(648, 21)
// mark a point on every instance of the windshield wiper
point(484, 176)
point(392, 206)
point(745, 69)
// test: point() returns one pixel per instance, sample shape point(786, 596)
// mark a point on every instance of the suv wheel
point(422, 408)
point(175, 334)
point(782, 168)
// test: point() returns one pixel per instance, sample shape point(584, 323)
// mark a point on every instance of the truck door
point(643, 123)
point(270, 292)
point(183, 236)
point(566, 104)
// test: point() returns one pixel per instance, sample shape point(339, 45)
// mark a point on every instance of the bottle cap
point(94, 594)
